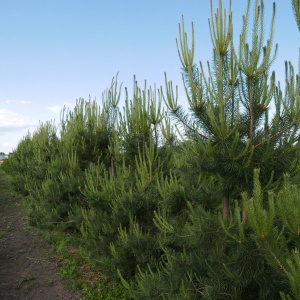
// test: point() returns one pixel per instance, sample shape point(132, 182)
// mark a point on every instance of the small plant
point(21, 251)
point(2, 233)
point(50, 282)
point(69, 269)
point(9, 226)
point(104, 292)
point(26, 289)
point(26, 231)
point(25, 279)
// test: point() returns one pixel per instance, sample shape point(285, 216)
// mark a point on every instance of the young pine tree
point(296, 9)
point(232, 128)
point(118, 216)
point(231, 131)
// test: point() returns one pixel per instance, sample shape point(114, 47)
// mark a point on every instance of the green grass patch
point(78, 272)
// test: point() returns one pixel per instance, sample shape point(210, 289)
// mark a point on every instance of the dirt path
point(27, 268)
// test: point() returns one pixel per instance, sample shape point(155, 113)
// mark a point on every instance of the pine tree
point(232, 127)
point(296, 8)
point(118, 216)
point(230, 132)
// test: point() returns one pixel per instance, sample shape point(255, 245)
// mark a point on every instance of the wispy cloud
point(59, 107)
point(9, 101)
point(12, 121)
point(55, 108)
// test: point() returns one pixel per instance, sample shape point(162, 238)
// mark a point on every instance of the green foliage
point(28, 164)
point(260, 219)
point(228, 134)
point(296, 8)
point(280, 247)
point(124, 199)
point(104, 292)
point(288, 203)
point(230, 128)
point(200, 210)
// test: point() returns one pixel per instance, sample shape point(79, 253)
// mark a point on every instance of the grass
point(7, 197)
point(104, 292)
point(2, 233)
point(78, 273)
point(25, 279)
point(50, 282)
point(69, 269)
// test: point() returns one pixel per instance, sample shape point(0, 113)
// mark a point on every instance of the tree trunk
point(225, 211)
point(244, 216)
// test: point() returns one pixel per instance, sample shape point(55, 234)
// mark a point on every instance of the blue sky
point(55, 51)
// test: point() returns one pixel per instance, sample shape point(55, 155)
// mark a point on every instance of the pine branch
point(296, 9)
point(275, 135)
point(188, 126)
point(275, 257)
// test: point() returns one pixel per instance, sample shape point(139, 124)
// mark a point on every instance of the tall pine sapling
point(296, 9)
point(231, 127)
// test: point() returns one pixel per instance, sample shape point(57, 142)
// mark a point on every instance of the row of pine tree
point(203, 204)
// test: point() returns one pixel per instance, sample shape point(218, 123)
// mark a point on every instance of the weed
point(62, 248)
point(2, 233)
point(26, 289)
point(25, 279)
point(21, 251)
point(104, 291)
point(9, 226)
point(69, 269)
point(26, 231)
point(26, 228)
point(50, 282)
point(4, 285)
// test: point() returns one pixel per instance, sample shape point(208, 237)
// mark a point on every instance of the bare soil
point(28, 265)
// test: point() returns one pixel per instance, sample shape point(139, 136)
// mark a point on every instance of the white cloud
point(58, 108)
point(12, 121)
point(7, 147)
point(9, 101)
point(55, 108)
